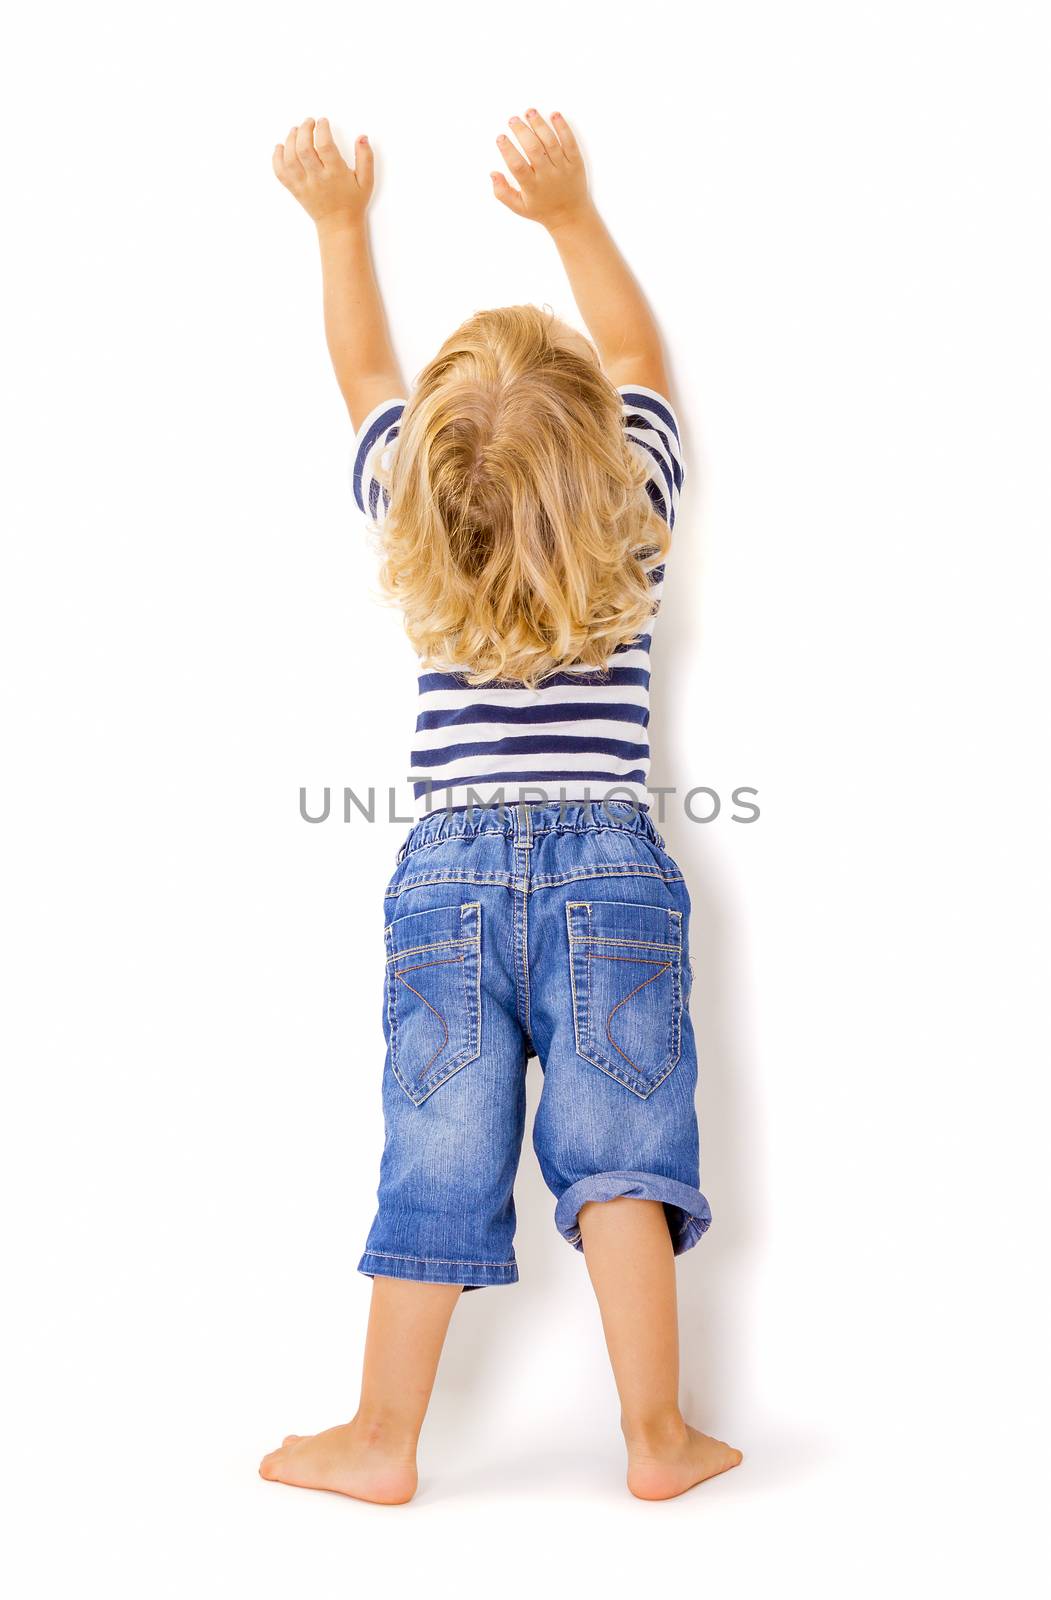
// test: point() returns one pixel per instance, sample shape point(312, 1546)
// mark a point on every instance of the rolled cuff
point(423, 1269)
point(688, 1212)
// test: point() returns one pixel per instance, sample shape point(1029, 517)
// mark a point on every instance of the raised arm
point(553, 190)
point(336, 196)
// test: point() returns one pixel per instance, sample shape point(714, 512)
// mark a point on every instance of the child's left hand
point(552, 179)
point(312, 169)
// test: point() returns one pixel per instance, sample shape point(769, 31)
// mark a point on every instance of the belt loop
point(523, 827)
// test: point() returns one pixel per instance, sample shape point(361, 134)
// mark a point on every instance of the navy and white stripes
point(580, 733)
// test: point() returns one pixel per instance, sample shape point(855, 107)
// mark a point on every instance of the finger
point(278, 163)
point(517, 164)
point(363, 163)
point(308, 156)
point(325, 144)
point(545, 134)
point(507, 195)
point(293, 168)
point(534, 150)
point(565, 134)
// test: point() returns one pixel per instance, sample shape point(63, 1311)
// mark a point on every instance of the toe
point(290, 1438)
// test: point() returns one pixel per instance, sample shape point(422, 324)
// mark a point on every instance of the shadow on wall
point(714, 1276)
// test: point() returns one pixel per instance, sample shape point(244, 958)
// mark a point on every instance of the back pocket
point(434, 974)
point(626, 972)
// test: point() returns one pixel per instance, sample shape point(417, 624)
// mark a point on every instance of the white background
point(839, 211)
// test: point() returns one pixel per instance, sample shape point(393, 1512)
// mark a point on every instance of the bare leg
point(374, 1456)
point(629, 1255)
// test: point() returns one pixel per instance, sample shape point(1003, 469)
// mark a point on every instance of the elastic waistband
point(523, 821)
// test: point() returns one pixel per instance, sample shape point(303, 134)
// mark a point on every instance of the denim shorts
point(547, 930)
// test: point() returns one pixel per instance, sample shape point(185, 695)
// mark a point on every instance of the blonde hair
point(519, 537)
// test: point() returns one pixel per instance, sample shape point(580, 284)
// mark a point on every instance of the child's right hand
point(312, 169)
point(553, 182)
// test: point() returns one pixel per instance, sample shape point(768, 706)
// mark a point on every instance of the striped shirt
point(581, 734)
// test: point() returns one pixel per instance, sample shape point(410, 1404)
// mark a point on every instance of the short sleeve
point(653, 429)
point(372, 454)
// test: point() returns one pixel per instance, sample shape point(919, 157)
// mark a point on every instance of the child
point(524, 495)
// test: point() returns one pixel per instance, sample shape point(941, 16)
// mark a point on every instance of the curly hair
point(519, 537)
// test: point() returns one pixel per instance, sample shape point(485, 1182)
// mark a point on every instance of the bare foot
point(353, 1459)
point(661, 1470)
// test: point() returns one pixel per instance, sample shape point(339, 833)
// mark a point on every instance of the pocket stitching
point(634, 944)
point(438, 944)
point(582, 1012)
point(662, 967)
point(419, 1091)
point(402, 979)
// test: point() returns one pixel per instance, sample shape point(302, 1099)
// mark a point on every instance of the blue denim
point(560, 932)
